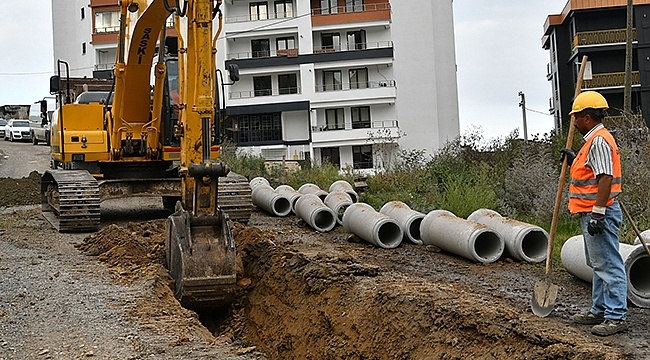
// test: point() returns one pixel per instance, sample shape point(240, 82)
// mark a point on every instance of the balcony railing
point(107, 29)
point(379, 124)
point(602, 37)
point(350, 9)
point(352, 47)
point(104, 67)
point(263, 54)
point(264, 92)
point(256, 17)
point(355, 86)
point(610, 80)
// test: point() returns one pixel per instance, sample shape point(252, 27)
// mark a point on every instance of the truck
point(40, 116)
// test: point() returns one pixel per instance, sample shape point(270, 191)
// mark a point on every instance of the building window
point(353, 5)
point(335, 119)
point(259, 11)
point(107, 21)
point(330, 156)
point(83, 48)
point(261, 48)
point(288, 84)
point(83, 13)
point(331, 41)
point(359, 78)
point(329, 7)
point(332, 80)
point(357, 40)
point(285, 43)
point(262, 85)
point(259, 128)
point(284, 9)
point(360, 117)
point(362, 157)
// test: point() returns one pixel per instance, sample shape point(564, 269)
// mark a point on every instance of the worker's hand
point(596, 224)
point(569, 154)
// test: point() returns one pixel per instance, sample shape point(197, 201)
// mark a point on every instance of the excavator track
point(234, 197)
point(70, 200)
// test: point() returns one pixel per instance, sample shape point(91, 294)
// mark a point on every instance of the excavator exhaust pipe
point(201, 256)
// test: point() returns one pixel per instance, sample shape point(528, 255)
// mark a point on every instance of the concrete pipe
point(338, 201)
point(313, 189)
point(637, 268)
point(462, 237)
point(646, 238)
point(265, 197)
point(524, 242)
point(258, 181)
point(376, 228)
point(311, 209)
point(345, 186)
point(290, 193)
point(407, 218)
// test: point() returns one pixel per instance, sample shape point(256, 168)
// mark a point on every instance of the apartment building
point(597, 29)
point(350, 82)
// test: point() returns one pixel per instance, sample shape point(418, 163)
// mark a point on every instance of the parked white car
point(17, 130)
point(3, 123)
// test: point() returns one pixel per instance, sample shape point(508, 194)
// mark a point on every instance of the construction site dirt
point(301, 295)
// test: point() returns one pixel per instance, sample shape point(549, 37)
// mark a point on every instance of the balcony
point(354, 47)
point(602, 37)
point(264, 54)
point(249, 94)
point(605, 80)
point(256, 17)
point(356, 86)
point(321, 136)
point(351, 14)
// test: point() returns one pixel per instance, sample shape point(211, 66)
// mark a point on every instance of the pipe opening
point(414, 228)
point(353, 196)
point(340, 211)
point(389, 235)
point(534, 244)
point(487, 246)
point(639, 276)
point(323, 220)
point(282, 206)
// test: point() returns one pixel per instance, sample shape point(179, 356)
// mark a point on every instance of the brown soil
point(306, 295)
point(23, 191)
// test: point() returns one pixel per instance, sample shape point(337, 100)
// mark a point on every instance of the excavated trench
point(306, 295)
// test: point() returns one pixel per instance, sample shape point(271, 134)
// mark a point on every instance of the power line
point(539, 112)
point(41, 72)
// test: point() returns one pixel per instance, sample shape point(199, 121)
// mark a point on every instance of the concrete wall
point(70, 32)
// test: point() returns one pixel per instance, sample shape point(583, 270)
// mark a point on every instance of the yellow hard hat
point(588, 100)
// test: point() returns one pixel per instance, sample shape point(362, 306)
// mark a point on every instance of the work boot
point(609, 327)
point(587, 318)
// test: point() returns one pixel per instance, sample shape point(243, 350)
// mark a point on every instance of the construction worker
point(595, 184)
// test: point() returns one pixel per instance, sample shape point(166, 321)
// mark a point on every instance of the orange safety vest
point(583, 188)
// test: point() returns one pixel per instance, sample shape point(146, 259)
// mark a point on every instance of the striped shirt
point(599, 157)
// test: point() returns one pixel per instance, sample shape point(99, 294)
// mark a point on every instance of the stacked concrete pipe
point(407, 218)
point(462, 237)
point(646, 238)
point(315, 213)
point(345, 186)
point(523, 241)
point(258, 181)
point(265, 197)
point(376, 228)
point(338, 201)
point(637, 268)
point(310, 188)
point(290, 193)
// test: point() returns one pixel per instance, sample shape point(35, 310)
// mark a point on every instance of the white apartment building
point(349, 82)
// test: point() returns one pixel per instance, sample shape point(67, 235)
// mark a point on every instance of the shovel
point(545, 292)
point(636, 229)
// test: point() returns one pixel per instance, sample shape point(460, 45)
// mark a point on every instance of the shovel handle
point(636, 229)
point(560, 186)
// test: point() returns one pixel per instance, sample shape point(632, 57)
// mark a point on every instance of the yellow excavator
point(156, 132)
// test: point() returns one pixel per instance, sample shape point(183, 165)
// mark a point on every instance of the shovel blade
point(544, 295)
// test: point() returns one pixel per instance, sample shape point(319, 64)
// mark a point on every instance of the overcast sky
point(498, 52)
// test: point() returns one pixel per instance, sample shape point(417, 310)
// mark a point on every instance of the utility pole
point(522, 104)
point(627, 93)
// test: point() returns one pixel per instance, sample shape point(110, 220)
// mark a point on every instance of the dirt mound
point(128, 249)
point(25, 191)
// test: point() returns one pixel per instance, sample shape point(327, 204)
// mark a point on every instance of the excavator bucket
point(201, 255)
